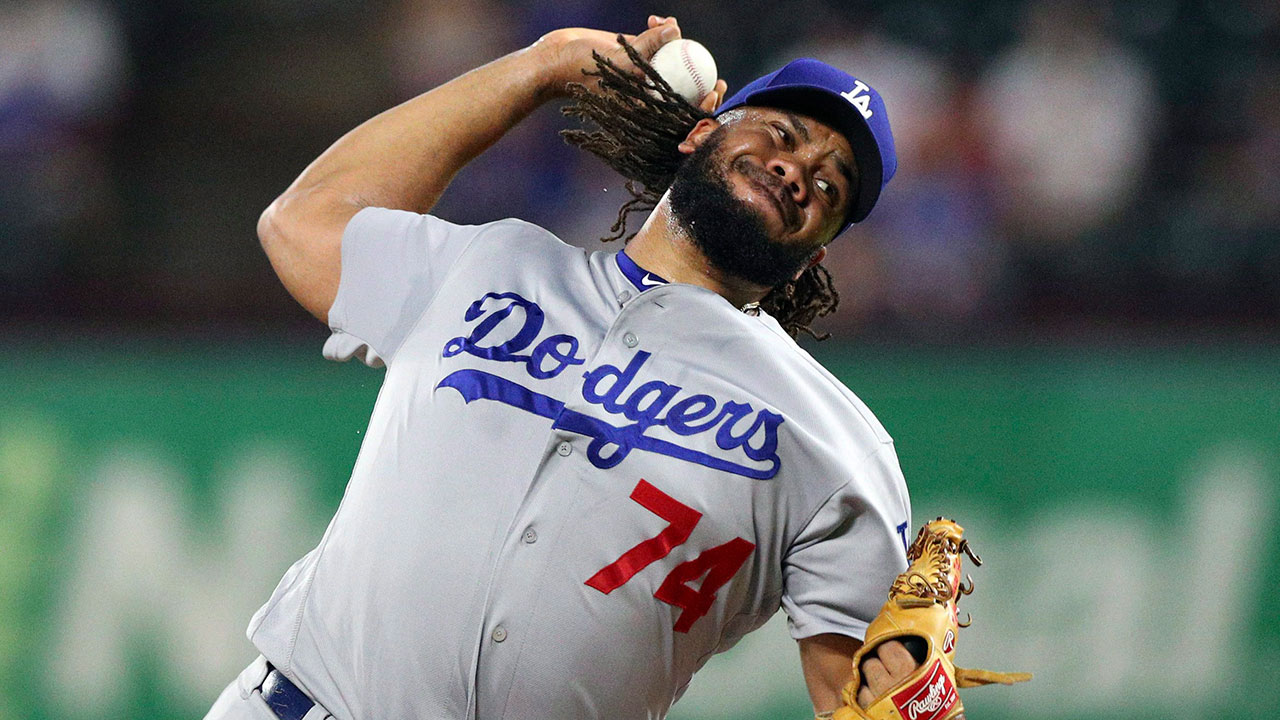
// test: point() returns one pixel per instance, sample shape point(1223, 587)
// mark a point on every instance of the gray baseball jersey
point(572, 493)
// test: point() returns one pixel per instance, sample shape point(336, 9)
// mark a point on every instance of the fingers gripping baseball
point(570, 55)
point(715, 97)
point(712, 99)
point(662, 30)
point(570, 50)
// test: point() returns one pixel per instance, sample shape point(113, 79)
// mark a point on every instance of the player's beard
point(729, 232)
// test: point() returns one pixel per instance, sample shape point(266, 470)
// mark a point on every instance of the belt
point(283, 697)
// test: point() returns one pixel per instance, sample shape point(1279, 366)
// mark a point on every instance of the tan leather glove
point(922, 604)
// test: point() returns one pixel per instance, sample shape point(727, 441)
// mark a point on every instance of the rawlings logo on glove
point(922, 604)
point(929, 697)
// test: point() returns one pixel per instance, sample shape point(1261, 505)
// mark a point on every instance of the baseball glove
point(922, 604)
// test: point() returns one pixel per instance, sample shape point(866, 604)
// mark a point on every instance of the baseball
point(687, 67)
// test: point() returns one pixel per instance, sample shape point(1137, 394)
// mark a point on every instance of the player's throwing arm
point(405, 157)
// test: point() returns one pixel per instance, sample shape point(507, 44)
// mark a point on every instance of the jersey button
point(530, 536)
point(564, 449)
point(630, 340)
point(624, 296)
point(499, 634)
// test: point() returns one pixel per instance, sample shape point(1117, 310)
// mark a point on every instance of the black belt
point(283, 697)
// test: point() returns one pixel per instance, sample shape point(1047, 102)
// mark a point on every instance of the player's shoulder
point(522, 229)
point(839, 445)
point(511, 238)
point(824, 395)
point(383, 221)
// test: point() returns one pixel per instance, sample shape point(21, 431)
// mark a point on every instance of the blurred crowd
point(1079, 168)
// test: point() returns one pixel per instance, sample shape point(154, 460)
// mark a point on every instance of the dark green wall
point(1125, 502)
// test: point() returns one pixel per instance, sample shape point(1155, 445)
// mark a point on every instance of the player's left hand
point(906, 665)
point(885, 668)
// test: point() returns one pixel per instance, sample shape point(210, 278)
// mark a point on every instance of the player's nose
point(792, 175)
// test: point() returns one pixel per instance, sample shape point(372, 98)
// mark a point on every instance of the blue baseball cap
point(814, 88)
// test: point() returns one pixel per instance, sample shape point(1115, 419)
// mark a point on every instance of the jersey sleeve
point(393, 263)
point(838, 571)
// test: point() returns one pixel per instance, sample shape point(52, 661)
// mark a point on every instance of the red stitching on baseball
point(693, 72)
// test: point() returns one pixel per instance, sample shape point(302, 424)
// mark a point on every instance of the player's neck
point(663, 246)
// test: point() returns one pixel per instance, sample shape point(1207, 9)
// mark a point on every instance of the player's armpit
point(827, 663)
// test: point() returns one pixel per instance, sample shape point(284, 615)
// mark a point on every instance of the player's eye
point(786, 136)
point(829, 189)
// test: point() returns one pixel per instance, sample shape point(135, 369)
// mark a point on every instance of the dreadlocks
point(641, 122)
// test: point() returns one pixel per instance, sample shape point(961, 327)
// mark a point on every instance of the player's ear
point(698, 135)
point(817, 258)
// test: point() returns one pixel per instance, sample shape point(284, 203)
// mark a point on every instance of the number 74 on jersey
point(718, 564)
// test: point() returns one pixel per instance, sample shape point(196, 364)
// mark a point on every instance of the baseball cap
point(852, 107)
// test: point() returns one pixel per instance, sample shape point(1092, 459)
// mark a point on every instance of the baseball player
point(585, 474)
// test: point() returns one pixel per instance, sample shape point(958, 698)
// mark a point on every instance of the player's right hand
point(568, 53)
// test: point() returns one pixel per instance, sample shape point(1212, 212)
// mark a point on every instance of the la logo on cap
point(859, 100)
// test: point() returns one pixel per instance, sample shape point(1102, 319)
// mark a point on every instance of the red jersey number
point(717, 564)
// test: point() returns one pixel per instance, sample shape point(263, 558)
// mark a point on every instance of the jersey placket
point(531, 540)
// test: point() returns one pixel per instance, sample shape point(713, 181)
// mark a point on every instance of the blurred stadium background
point(1066, 311)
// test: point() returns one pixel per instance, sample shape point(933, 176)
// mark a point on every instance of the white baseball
point(687, 67)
